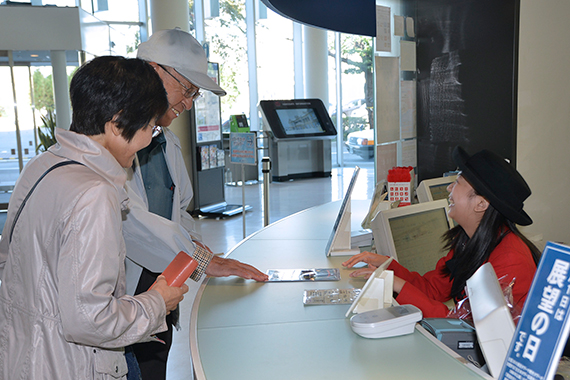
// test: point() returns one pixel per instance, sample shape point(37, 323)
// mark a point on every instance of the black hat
point(496, 180)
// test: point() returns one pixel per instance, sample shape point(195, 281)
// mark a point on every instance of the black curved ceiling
point(346, 16)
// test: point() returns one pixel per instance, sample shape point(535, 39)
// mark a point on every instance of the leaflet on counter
point(324, 274)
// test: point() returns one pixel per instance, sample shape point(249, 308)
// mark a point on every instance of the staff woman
point(486, 201)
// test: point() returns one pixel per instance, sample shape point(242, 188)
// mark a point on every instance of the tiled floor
point(286, 198)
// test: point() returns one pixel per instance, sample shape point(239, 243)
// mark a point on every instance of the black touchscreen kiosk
point(306, 118)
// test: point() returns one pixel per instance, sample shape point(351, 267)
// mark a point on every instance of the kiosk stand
point(300, 132)
point(209, 160)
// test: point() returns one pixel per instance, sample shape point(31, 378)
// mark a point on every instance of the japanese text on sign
point(243, 148)
point(543, 329)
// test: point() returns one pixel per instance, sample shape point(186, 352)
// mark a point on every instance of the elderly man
point(158, 226)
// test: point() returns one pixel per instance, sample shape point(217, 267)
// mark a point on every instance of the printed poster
point(383, 36)
point(243, 148)
point(408, 109)
point(542, 331)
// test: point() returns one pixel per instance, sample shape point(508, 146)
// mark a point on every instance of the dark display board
point(297, 118)
point(467, 79)
point(206, 144)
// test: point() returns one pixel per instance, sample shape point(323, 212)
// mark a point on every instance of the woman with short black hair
point(63, 309)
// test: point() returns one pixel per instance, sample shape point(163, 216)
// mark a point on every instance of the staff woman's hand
point(372, 259)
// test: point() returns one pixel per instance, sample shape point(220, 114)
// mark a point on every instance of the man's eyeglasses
point(189, 93)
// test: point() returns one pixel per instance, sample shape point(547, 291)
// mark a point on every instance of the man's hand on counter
point(220, 267)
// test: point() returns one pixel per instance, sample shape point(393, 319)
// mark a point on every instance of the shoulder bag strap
point(59, 164)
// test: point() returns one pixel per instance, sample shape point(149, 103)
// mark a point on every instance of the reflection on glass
point(226, 36)
point(357, 90)
point(125, 39)
point(275, 74)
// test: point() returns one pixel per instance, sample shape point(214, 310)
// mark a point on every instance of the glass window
point(226, 37)
point(60, 3)
point(7, 122)
point(357, 83)
point(275, 75)
point(34, 102)
point(125, 39)
point(12, 110)
point(118, 10)
point(26, 120)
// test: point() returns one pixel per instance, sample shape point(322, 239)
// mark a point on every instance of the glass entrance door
point(22, 85)
point(17, 126)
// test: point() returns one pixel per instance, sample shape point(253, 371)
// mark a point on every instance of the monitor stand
point(222, 209)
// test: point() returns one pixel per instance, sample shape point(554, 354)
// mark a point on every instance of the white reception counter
point(241, 329)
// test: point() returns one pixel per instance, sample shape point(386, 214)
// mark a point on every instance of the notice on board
point(408, 109)
point(399, 25)
point(542, 331)
point(409, 153)
point(410, 29)
point(383, 36)
point(243, 148)
point(408, 56)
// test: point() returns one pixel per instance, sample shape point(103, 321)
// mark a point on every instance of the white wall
point(543, 138)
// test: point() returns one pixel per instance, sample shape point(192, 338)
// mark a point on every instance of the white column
point(199, 21)
point(60, 89)
point(298, 60)
point(340, 126)
point(16, 118)
point(143, 17)
point(169, 15)
point(252, 65)
point(316, 68)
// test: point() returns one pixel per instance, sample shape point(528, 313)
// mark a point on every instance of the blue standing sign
point(243, 148)
point(542, 331)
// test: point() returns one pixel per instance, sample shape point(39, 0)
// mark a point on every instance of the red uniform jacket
point(510, 259)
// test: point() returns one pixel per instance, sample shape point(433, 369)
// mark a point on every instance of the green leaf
point(46, 133)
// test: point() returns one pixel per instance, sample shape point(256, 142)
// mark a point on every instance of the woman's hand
point(363, 272)
point(172, 295)
point(372, 259)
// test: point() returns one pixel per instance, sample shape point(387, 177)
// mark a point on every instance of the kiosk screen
point(297, 118)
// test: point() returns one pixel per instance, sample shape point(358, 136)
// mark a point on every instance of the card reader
point(386, 322)
point(458, 335)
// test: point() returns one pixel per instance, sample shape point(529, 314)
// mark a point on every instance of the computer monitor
point(434, 189)
point(340, 239)
point(412, 234)
point(297, 118)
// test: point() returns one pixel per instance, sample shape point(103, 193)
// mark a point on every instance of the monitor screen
point(339, 240)
point(297, 118)
point(412, 234)
point(417, 239)
point(299, 121)
point(434, 189)
point(439, 191)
